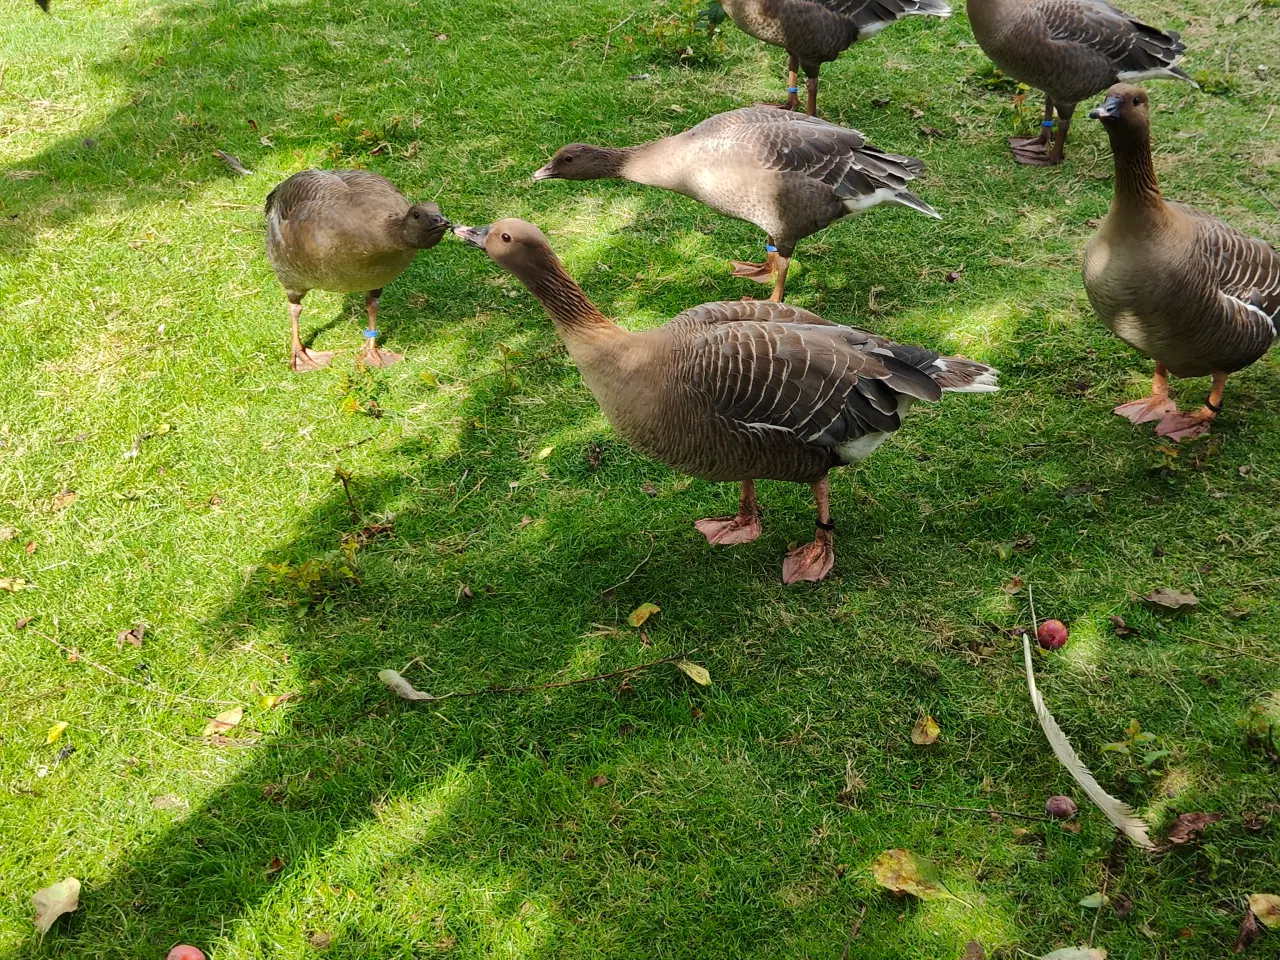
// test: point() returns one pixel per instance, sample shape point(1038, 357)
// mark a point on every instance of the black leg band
point(1213, 406)
point(830, 525)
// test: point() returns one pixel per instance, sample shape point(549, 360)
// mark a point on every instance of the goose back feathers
point(1072, 49)
point(818, 31)
point(345, 230)
point(787, 173)
point(1179, 285)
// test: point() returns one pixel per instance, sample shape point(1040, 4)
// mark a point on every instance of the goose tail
point(961, 375)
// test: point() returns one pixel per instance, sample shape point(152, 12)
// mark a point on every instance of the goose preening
point(1070, 50)
point(739, 391)
point(1193, 293)
point(349, 231)
point(814, 32)
point(787, 173)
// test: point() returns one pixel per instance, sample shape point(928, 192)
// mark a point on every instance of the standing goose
point(349, 231)
point(737, 391)
point(1178, 285)
point(814, 32)
point(789, 174)
point(1071, 50)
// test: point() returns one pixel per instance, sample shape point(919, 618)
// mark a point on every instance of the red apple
point(1052, 634)
point(184, 951)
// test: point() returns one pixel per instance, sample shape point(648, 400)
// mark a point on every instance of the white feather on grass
point(1118, 812)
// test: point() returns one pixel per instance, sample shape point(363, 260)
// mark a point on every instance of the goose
point(814, 32)
point(787, 173)
point(1070, 50)
point(349, 231)
point(737, 391)
point(1180, 286)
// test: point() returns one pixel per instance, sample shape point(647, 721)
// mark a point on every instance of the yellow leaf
point(1266, 907)
point(545, 452)
point(697, 674)
point(925, 731)
point(55, 731)
point(55, 900)
point(223, 722)
point(642, 613)
point(271, 701)
point(12, 584)
point(903, 872)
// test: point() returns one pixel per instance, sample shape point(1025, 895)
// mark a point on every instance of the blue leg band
point(771, 248)
point(793, 89)
point(370, 334)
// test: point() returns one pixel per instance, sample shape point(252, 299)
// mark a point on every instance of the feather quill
point(1118, 812)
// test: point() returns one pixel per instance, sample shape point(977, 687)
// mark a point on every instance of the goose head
point(1125, 107)
point(423, 226)
point(581, 161)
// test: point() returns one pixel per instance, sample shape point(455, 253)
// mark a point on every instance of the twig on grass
point(844, 955)
point(986, 810)
point(1106, 878)
point(608, 37)
point(627, 578)
point(404, 689)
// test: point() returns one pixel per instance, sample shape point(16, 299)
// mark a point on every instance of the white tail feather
point(1118, 812)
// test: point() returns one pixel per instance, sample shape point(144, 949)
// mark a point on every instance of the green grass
point(137, 300)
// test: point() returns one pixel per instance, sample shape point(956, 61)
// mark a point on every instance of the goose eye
point(506, 238)
point(415, 214)
point(566, 159)
point(1137, 101)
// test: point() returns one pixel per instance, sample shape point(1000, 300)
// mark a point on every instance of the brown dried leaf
point(974, 951)
point(642, 613)
point(902, 872)
point(55, 900)
point(22, 623)
point(30, 548)
point(1189, 826)
point(1013, 586)
point(226, 720)
point(599, 780)
point(1248, 932)
point(132, 636)
point(1174, 601)
point(64, 499)
point(925, 731)
point(1121, 628)
point(275, 866)
point(1266, 907)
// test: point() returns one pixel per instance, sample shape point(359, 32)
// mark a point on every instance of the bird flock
point(749, 390)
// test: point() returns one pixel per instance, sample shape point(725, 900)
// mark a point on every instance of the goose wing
point(866, 13)
point(1133, 47)
point(1246, 272)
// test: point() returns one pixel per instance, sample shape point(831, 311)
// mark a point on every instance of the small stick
point(1270, 113)
point(989, 810)
point(561, 683)
point(628, 577)
point(853, 933)
point(345, 477)
point(1106, 878)
point(111, 673)
point(608, 38)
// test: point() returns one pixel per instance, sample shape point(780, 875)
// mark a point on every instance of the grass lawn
point(143, 362)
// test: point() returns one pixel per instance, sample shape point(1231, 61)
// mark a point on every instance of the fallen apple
point(1052, 634)
point(184, 951)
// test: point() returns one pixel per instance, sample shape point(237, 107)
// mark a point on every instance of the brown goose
point(814, 32)
point(349, 231)
point(789, 174)
point(1178, 285)
point(737, 391)
point(1070, 50)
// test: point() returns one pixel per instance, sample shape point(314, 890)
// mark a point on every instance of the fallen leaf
point(1121, 628)
point(1266, 907)
point(227, 720)
point(925, 731)
point(1076, 953)
point(649, 488)
point(55, 732)
point(402, 687)
point(1095, 901)
point(932, 132)
point(1013, 586)
point(524, 521)
point(30, 548)
point(12, 584)
point(1122, 905)
point(599, 780)
point(22, 623)
point(902, 872)
point(973, 950)
point(64, 499)
point(697, 674)
point(271, 701)
point(169, 801)
point(1248, 931)
point(642, 613)
point(321, 940)
point(545, 452)
point(132, 636)
point(594, 454)
point(233, 162)
point(1189, 826)
point(1172, 600)
point(55, 900)
point(275, 866)
point(465, 592)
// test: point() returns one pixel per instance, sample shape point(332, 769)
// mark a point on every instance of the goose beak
point(545, 173)
point(1109, 110)
point(476, 236)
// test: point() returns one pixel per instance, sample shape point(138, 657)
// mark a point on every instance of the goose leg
point(1184, 426)
point(1060, 139)
point(814, 561)
point(743, 528)
point(1035, 150)
point(780, 278)
point(811, 84)
point(372, 355)
point(1155, 407)
point(302, 360)
point(793, 89)
point(759, 272)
